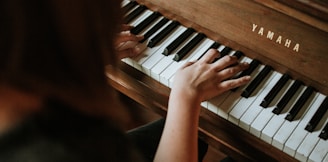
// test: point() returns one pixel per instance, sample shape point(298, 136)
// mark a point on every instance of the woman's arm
point(194, 83)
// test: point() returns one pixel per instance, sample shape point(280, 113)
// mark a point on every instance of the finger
point(186, 64)
point(126, 45)
point(233, 70)
point(224, 62)
point(127, 36)
point(210, 55)
point(130, 52)
point(233, 83)
point(125, 53)
point(125, 27)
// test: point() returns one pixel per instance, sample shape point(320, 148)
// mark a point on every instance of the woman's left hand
point(126, 43)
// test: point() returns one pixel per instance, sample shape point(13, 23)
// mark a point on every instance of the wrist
point(186, 95)
point(183, 102)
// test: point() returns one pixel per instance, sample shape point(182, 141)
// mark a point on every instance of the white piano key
point(319, 152)
point(221, 47)
point(243, 104)
point(136, 21)
point(277, 121)
point(213, 104)
point(234, 97)
point(326, 158)
point(143, 46)
point(309, 143)
point(160, 66)
point(204, 104)
point(231, 100)
point(124, 2)
point(272, 127)
point(150, 60)
point(299, 133)
point(157, 50)
point(137, 61)
point(203, 47)
point(157, 70)
point(322, 146)
point(232, 52)
point(141, 17)
point(288, 126)
point(255, 108)
point(264, 117)
point(260, 122)
point(168, 65)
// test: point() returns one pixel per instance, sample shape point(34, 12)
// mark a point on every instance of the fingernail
point(245, 64)
point(140, 36)
point(247, 77)
point(136, 50)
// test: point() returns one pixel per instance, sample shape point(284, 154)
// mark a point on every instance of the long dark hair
point(59, 49)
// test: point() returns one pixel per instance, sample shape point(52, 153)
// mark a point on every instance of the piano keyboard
point(281, 111)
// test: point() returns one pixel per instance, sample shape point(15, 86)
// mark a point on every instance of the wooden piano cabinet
point(280, 35)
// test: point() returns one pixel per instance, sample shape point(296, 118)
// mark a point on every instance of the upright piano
point(281, 115)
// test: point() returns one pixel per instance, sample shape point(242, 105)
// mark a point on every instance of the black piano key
point(224, 52)
point(287, 96)
point(238, 54)
point(135, 13)
point(142, 25)
point(188, 47)
point(252, 66)
point(257, 80)
point(299, 103)
point(324, 132)
point(177, 42)
point(275, 90)
point(129, 6)
point(317, 116)
point(162, 34)
point(215, 45)
point(154, 29)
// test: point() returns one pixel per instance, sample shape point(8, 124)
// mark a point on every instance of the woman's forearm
point(179, 138)
point(195, 82)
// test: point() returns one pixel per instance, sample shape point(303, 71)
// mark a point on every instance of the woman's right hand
point(203, 79)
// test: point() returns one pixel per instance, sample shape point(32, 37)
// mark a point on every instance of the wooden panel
point(315, 8)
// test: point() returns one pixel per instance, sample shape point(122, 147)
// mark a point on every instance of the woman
point(55, 103)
